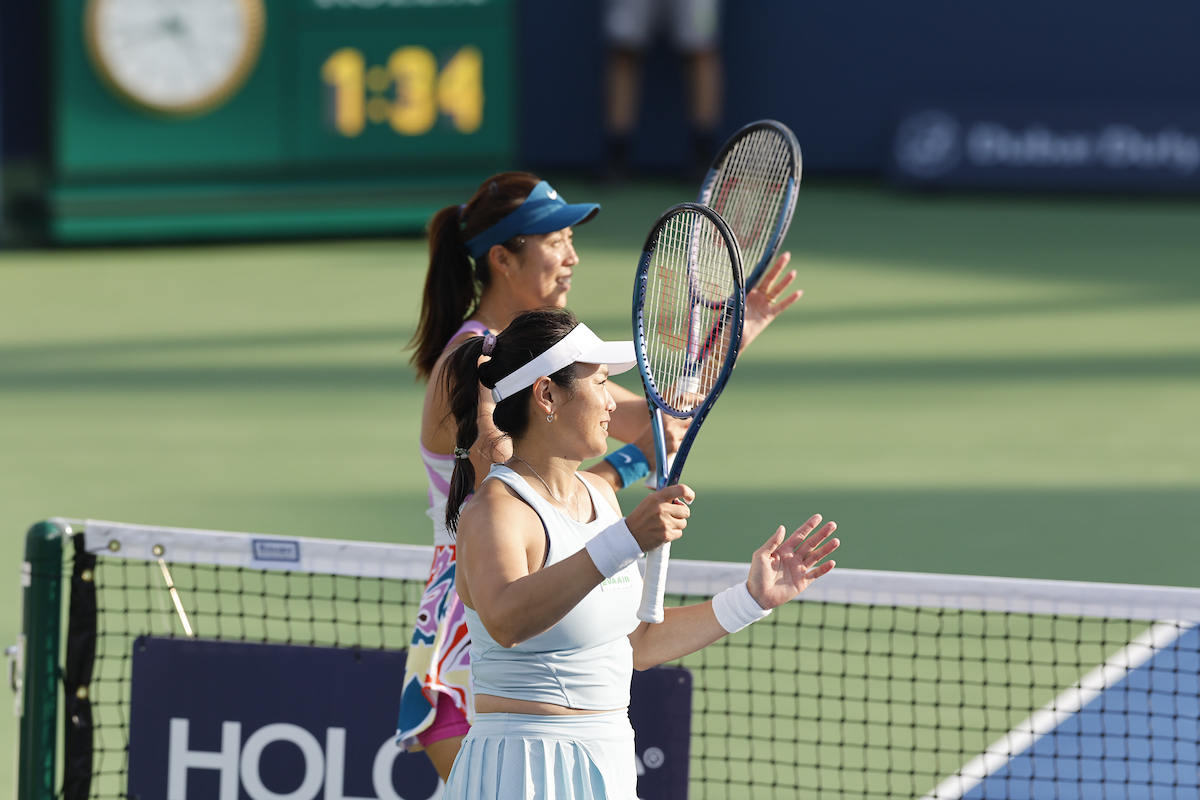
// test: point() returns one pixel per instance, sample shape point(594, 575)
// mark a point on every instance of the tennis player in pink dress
point(508, 250)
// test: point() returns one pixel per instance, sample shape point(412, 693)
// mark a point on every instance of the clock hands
point(175, 25)
point(133, 36)
point(175, 56)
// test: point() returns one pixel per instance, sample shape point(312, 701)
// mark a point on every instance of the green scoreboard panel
point(224, 118)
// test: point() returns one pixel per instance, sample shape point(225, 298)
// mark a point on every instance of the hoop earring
point(550, 417)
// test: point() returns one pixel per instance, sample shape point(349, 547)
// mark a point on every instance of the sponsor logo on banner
point(276, 550)
point(243, 721)
point(321, 768)
point(247, 721)
point(1011, 146)
point(929, 144)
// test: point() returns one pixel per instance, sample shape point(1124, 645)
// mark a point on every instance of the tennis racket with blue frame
point(688, 306)
point(753, 184)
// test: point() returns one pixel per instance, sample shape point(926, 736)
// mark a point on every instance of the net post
point(77, 675)
point(41, 623)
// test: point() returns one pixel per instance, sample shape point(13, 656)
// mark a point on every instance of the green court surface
point(978, 385)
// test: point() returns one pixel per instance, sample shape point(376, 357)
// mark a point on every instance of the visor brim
point(619, 356)
point(565, 217)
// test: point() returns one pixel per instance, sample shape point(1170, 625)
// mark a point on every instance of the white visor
point(580, 345)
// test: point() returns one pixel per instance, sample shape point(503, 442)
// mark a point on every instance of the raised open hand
point(780, 570)
point(767, 300)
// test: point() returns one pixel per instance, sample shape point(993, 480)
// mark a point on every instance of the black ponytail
point(454, 282)
point(529, 335)
point(462, 386)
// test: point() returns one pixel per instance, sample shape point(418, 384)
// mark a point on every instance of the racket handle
point(654, 585)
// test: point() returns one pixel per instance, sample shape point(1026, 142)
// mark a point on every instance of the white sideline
point(1054, 713)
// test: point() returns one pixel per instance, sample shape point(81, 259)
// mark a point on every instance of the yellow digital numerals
point(419, 90)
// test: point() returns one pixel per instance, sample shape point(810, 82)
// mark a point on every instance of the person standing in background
point(694, 26)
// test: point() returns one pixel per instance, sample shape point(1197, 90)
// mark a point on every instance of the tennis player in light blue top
point(547, 572)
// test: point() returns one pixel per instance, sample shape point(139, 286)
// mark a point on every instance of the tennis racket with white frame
point(753, 184)
point(688, 307)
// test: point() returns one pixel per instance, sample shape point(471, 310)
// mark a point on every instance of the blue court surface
point(1130, 729)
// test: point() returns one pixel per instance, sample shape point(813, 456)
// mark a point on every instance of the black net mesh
point(829, 700)
point(819, 700)
point(225, 603)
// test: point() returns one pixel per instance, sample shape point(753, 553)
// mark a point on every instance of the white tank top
point(585, 661)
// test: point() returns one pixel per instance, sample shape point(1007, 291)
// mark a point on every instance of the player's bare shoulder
point(500, 527)
point(495, 507)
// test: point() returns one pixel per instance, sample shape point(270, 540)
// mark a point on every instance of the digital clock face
point(175, 57)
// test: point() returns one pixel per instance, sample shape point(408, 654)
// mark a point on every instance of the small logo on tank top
point(616, 583)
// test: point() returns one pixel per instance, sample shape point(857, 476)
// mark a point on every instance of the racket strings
point(751, 189)
point(755, 186)
point(690, 284)
point(758, 173)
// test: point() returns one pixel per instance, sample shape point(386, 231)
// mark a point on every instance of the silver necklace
point(574, 496)
point(488, 324)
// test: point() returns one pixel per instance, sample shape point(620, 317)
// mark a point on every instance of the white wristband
point(613, 549)
point(736, 608)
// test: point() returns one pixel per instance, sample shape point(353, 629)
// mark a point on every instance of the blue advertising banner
point(1024, 146)
point(242, 721)
point(660, 710)
point(230, 720)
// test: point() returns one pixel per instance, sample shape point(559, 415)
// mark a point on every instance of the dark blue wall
point(836, 71)
point(23, 78)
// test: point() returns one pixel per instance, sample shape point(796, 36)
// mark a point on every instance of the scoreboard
point(228, 118)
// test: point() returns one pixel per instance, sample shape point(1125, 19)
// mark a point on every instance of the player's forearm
point(683, 631)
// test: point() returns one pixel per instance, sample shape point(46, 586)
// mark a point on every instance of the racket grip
point(654, 584)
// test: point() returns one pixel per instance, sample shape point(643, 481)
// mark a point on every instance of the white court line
point(1021, 738)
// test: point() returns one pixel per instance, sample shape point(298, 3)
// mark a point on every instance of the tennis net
point(873, 685)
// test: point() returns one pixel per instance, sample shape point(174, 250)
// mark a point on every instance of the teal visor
point(543, 211)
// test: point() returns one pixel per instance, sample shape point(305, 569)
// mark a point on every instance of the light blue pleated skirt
point(587, 757)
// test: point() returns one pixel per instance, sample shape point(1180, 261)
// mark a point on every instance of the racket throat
point(662, 464)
